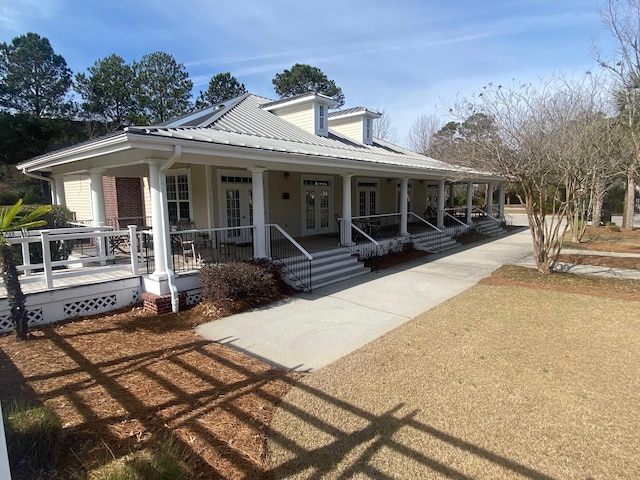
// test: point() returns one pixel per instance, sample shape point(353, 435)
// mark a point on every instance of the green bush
point(32, 433)
point(251, 283)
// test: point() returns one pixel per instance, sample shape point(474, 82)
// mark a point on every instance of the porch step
point(488, 227)
point(437, 244)
point(327, 267)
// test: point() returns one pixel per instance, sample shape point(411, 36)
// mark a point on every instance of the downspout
point(171, 277)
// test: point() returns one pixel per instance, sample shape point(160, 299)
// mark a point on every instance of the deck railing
point(77, 246)
point(453, 225)
point(360, 242)
point(290, 254)
point(192, 248)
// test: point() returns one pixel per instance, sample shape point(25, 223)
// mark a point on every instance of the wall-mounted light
point(287, 175)
point(389, 180)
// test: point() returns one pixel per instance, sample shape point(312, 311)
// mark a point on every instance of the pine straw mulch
point(127, 381)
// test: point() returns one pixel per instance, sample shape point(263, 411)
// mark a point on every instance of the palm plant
point(11, 221)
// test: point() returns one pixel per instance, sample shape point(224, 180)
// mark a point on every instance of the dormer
point(354, 123)
point(309, 111)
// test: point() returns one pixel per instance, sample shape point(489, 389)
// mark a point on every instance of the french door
point(238, 212)
point(316, 195)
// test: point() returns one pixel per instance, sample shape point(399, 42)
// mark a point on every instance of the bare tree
point(534, 137)
point(420, 137)
point(383, 128)
point(622, 19)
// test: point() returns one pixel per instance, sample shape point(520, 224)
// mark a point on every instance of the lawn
point(518, 377)
point(523, 375)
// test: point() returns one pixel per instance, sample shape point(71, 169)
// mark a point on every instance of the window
point(367, 129)
point(178, 197)
point(321, 117)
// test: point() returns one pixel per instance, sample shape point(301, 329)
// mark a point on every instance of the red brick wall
point(122, 199)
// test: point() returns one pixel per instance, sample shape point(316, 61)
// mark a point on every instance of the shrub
point(238, 281)
point(32, 433)
point(612, 227)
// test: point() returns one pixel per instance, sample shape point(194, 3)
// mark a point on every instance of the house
point(252, 173)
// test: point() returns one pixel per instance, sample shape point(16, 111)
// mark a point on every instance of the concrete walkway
point(309, 331)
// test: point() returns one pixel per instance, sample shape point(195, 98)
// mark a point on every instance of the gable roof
point(242, 123)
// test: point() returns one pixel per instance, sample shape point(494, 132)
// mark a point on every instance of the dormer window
point(368, 130)
point(322, 117)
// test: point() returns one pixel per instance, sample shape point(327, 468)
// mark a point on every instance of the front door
point(316, 194)
point(238, 212)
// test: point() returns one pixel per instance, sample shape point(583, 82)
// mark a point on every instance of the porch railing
point(76, 247)
point(423, 231)
point(454, 226)
point(290, 254)
point(361, 244)
point(192, 248)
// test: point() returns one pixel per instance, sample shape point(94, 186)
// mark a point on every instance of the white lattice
point(35, 318)
point(89, 306)
point(5, 323)
point(135, 296)
point(194, 297)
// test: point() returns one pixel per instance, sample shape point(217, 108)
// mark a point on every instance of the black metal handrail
point(290, 254)
point(423, 231)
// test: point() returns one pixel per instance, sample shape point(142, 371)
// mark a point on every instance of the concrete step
point(327, 267)
point(430, 244)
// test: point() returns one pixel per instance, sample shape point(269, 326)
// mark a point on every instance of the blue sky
point(406, 57)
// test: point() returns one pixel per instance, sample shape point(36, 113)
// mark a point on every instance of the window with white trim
point(322, 119)
point(178, 197)
point(367, 129)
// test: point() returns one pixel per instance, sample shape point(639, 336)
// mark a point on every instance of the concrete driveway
point(309, 331)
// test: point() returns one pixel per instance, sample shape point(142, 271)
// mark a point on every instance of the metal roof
point(243, 123)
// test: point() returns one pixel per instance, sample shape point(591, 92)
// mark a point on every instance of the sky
point(403, 57)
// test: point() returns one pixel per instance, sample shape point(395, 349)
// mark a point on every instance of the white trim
point(174, 172)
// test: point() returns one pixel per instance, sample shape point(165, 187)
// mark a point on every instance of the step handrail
point(456, 219)
point(291, 239)
point(425, 221)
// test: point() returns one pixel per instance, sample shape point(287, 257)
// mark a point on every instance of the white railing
point(101, 244)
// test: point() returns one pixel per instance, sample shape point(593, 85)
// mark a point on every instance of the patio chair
point(188, 241)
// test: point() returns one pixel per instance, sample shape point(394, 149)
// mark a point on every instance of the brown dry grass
point(126, 381)
point(606, 240)
point(515, 378)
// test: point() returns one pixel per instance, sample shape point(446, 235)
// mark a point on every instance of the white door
point(316, 195)
point(238, 212)
point(367, 198)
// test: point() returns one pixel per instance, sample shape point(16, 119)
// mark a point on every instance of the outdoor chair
point(188, 241)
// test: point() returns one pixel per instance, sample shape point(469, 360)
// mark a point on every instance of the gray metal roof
point(247, 125)
point(242, 122)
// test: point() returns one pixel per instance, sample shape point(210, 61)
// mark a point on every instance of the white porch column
point(59, 197)
point(501, 201)
point(257, 184)
point(97, 197)
point(345, 229)
point(209, 180)
point(157, 221)
point(469, 203)
point(404, 192)
point(489, 199)
point(440, 223)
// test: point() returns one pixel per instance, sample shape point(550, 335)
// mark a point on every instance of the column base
point(159, 304)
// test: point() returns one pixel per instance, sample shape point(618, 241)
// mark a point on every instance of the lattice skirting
point(49, 307)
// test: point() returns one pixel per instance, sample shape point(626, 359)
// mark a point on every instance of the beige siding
point(77, 191)
point(349, 127)
point(285, 212)
point(301, 116)
point(198, 195)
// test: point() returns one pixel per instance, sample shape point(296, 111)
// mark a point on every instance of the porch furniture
point(187, 240)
